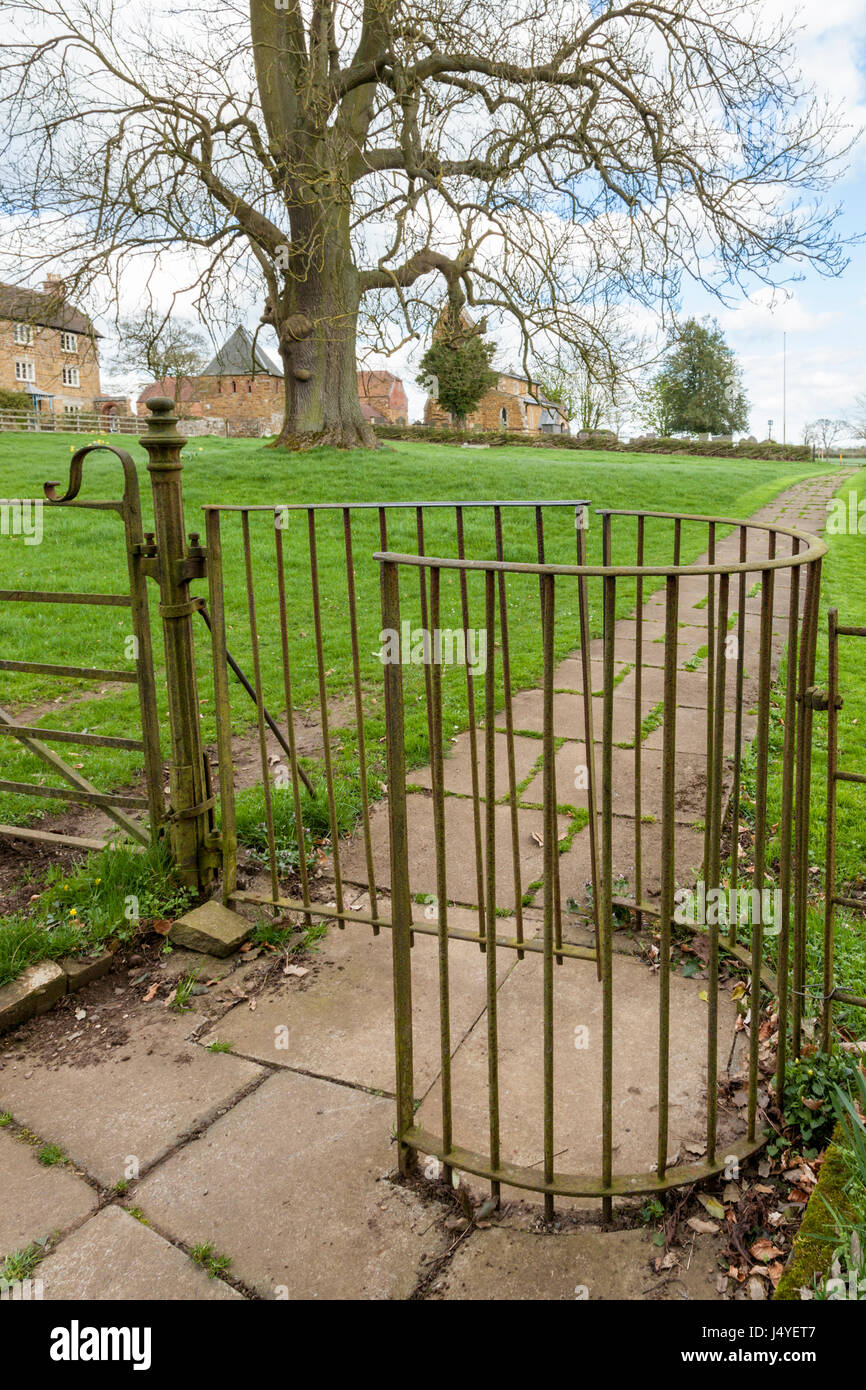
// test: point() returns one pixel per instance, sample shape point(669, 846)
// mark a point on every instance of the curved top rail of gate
point(809, 548)
point(386, 506)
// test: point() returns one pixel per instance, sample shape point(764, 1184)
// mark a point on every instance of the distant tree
point(699, 390)
point(456, 367)
point(823, 433)
point(597, 383)
point(656, 410)
point(161, 347)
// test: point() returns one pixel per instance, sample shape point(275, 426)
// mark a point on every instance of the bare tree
point(363, 159)
point(162, 347)
point(597, 382)
point(858, 424)
point(824, 433)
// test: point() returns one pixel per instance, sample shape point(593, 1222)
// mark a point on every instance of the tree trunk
point(316, 322)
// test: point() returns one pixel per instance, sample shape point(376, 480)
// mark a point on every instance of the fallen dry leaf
point(163, 926)
point(703, 1228)
point(763, 1249)
point(151, 993)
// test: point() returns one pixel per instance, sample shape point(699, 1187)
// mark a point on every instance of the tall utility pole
point(784, 388)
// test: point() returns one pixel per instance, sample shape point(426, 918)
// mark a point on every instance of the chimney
point(53, 285)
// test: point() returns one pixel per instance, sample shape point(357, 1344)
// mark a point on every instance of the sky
point(823, 319)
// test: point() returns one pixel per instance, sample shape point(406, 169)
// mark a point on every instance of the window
point(503, 415)
point(72, 410)
point(70, 376)
point(23, 334)
point(69, 342)
point(24, 370)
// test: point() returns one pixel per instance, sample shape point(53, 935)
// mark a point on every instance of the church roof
point(240, 356)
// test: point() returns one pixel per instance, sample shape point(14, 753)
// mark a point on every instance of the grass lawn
point(83, 550)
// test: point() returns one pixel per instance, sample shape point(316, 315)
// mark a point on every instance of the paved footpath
point(279, 1151)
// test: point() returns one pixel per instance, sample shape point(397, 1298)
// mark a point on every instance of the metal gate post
point(190, 819)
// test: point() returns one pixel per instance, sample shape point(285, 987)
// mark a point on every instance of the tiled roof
point(239, 357)
point(45, 310)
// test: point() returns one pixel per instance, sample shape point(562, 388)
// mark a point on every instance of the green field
point(83, 550)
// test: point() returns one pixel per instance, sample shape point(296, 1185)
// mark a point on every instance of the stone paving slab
point(138, 1099)
point(292, 1184)
point(575, 865)
point(114, 1256)
point(338, 1021)
point(568, 715)
point(505, 1264)
point(568, 675)
point(578, 1070)
point(460, 852)
point(691, 687)
point(36, 1200)
point(571, 763)
point(457, 764)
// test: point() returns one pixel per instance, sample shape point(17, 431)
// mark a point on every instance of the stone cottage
point(48, 350)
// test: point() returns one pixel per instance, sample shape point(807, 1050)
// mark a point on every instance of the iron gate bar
point(830, 847)
point(669, 718)
point(738, 726)
point(589, 740)
point(804, 549)
point(25, 832)
point(473, 733)
point(294, 765)
point(87, 798)
point(787, 815)
point(808, 645)
point(381, 506)
point(65, 736)
point(550, 855)
point(323, 709)
point(442, 925)
point(44, 668)
point(509, 727)
point(53, 596)
point(400, 891)
point(260, 704)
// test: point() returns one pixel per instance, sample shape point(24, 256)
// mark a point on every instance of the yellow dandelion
point(73, 911)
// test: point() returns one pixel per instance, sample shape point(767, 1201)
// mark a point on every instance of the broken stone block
point(211, 928)
point(34, 991)
point(80, 970)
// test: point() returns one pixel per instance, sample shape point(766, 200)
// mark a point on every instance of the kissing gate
point(612, 732)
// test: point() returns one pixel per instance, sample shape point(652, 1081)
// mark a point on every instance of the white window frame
point(23, 334)
point(70, 376)
point(68, 342)
point(25, 370)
